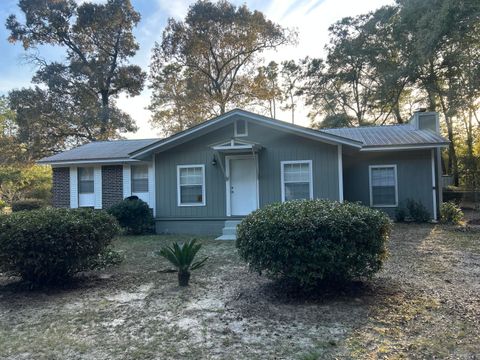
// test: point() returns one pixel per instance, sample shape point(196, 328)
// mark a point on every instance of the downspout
point(434, 187)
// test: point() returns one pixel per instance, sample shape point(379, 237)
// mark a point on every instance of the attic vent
point(425, 121)
point(241, 128)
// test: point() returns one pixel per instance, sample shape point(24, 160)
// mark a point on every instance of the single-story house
point(204, 179)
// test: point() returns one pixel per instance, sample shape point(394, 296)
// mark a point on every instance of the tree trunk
point(398, 116)
point(183, 278)
point(222, 107)
point(452, 153)
point(105, 116)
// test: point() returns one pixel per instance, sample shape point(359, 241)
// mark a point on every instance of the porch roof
point(236, 146)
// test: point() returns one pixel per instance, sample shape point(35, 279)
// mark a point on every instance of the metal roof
point(100, 150)
point(366, 137)
point(389, 135)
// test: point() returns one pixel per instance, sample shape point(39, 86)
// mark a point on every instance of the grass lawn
point(425, 304)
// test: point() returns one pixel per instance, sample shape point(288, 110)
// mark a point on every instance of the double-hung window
point(383, 186)
point(297, 180)
point(139, 179)
point(191, 185)
point(85, 180)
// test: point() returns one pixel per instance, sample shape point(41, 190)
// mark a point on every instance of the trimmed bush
point(312, 241)
point(417, 211)
point(134, 215)
point(49, 246)
point(27, 205)
point(450, 213)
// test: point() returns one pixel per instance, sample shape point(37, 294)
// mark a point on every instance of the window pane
point(296, 191)
point(85, 173)
point(191, 194)
point(139, 185)
point(297, 172)
point(383, 176)
point(85, 186)
point(140, 172)
point(383, 195)
point(191, 176)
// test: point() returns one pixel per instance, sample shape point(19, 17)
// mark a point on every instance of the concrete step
point(229, 231)
point(227, 237)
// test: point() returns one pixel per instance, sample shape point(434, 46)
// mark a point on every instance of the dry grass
point(424, 304)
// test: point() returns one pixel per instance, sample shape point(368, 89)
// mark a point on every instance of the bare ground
point(425, 304)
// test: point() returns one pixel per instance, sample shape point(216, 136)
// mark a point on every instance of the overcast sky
point(311, 18)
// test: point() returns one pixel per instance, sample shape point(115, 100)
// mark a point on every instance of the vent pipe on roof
point(425, 120)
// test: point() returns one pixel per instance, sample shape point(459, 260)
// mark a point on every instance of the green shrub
point(450, 213)
point(49, 246)
point(400, 214)
point(312, 241)
point(133, 215)
point(27, 205)
point(417, 211)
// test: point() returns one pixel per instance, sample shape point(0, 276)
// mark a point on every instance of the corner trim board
point(434, 187)
point(340, 174)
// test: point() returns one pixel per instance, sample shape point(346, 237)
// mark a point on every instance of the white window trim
point(370, 184)
point(236, 133)
point(282, 172)
point(204, 202)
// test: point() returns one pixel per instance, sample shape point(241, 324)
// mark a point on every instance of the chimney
point(425, 120)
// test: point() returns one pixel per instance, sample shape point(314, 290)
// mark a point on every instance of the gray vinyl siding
point(278, 146)
point(414, 176)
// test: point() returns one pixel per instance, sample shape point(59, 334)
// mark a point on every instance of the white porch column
point(73, 187)
point(97, 186)
point(127, 181)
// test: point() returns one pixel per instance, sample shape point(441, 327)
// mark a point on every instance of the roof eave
point(87, 161)
point(404, 147)
point(300, 130)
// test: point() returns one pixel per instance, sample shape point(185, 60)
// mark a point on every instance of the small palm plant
point(182, 256)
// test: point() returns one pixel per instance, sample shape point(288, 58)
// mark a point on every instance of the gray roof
point(389, 135)
point(100, 150)
point(366, 137)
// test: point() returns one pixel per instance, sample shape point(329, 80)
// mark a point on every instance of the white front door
point(243, 185)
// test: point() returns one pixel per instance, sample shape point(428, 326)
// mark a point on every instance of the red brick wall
point(112, 185)
point(61, 187)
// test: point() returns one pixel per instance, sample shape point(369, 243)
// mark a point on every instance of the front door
point(243, 185)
